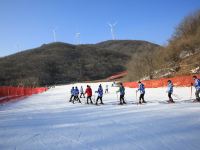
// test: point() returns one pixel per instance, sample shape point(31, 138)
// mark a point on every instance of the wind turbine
point(18, 47)
point(112, 26)
point(77, 36)
point(54, 34)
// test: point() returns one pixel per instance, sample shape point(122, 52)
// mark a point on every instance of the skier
point(122, 93)
point(88, 91)
point(82, 92)
point(100, 95)
point(76, 93)
point(72, 94)
point(106, 91)
point(113, 84)
point(141, 88)
point(170, 87)
point(197, 86)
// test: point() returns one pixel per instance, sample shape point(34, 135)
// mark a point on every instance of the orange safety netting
point(177, 81)
point(8, 92)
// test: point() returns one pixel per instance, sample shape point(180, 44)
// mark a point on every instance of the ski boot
point(170, 101)
point(120, 103)
point(144, 101)
point(87, 102)
point(101, 102)
point(196, 100)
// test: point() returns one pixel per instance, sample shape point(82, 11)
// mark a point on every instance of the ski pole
point(191, 93)
point(136, 96)
point(117, 96)
point(94, 97)
point(175, 95)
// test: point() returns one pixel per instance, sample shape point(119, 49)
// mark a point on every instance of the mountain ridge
point(60, 62)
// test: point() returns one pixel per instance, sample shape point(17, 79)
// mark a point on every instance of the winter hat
point(195, 77)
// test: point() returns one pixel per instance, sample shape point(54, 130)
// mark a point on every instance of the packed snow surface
point(49, 121)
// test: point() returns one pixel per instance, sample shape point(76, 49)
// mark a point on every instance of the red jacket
point(88, 91)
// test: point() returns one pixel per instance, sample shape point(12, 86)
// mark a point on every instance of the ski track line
point(27, 140)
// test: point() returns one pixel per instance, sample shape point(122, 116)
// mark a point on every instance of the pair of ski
point(179, 102)
point(166, 102)
point(136, 103)
point(73, 102)
point(94, 104)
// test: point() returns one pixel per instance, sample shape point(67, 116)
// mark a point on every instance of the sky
point(26, 24)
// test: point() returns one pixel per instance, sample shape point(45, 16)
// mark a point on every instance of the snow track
point(49, 121)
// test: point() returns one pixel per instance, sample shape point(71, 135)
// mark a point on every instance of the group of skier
point(75, 95)
point(121, 91)
point(75, 92)
point(196, 84)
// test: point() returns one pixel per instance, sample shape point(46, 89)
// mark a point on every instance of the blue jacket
point(170, 87)
point(72, 91)
point(122, 90)
point(197, 84)
point(76, 92)
point(141, 88)
point(100, 91)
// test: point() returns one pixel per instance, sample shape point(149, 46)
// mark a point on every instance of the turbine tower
point(54, 34)
point(112, 26)
point(18, 47)
point(77, 36)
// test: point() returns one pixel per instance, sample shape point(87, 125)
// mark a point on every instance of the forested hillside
point(181, 56)
point(59, 63)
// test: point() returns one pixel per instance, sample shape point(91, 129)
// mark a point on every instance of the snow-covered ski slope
point(49, 121)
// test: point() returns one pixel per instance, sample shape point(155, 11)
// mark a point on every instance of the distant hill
point(59, 63)
point(128, 47)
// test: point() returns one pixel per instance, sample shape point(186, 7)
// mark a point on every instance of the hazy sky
point(27, 24)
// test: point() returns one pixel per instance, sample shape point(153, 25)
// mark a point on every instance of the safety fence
point(177, 81)
point(118, 75)
point(8, 93)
